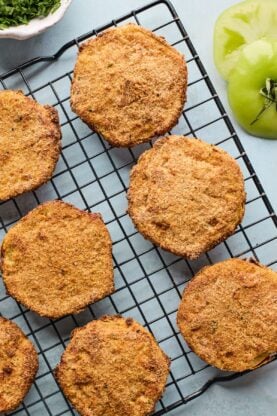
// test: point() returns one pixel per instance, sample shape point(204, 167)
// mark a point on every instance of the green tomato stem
point(269, 92)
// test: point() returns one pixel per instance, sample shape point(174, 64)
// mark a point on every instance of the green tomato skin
point(257, 62)
point(240, 25)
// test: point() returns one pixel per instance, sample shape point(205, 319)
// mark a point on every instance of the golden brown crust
point(113, 367)
point(18, 365)
point(30, 143)
point(129, 85)
point(186, 195)
point(57, 260)
point(228, 314)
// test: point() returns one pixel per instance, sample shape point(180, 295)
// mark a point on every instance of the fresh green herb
point(20, 12)
point(269, 92)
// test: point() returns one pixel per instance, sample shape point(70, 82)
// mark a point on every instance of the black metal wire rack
point(94, 176)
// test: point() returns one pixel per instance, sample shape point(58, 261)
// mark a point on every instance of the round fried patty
point(186, 195)
point(228, 314)
point(30, 143)
point(18, 365)
point(57, 260)
point(129, 85)
point(113, 367)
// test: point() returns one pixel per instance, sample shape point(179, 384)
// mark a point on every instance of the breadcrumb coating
point(129, 85)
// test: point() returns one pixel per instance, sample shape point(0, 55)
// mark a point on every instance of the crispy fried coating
point(18, 365)
point(129, 85)
point(186, 195)
point(57, 260)
point(113, 367)
point(228, 314)
point(30, 143)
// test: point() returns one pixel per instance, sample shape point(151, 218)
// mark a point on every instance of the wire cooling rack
point(94, 176)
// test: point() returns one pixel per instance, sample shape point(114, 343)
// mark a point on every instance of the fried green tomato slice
point(18, 365)
point(228, 314)
point(113, 367)
point(30, 143)
point(57, 260)
point(129, 85)
point(186, 195)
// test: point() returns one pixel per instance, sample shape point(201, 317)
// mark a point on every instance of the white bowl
point(35, 26)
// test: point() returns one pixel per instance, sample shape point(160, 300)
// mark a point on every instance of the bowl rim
point(37, 25)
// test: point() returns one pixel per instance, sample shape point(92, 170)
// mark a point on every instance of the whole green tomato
point(252, 88)
point(240, 25)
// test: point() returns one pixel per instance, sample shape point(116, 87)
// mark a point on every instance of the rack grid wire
point(94, 176)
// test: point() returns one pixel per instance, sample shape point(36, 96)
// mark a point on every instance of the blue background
point(255, 394)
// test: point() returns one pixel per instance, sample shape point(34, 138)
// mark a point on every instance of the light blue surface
point(255, 394)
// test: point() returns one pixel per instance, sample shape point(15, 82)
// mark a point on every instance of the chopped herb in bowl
point(20, 12)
